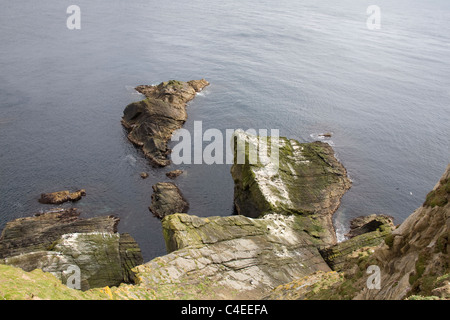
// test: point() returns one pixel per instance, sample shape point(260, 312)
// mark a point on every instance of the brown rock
point(144, 175)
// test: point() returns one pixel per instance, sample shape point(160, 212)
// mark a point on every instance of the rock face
point(152, 121)
point(61, 196)
point(305, 179)
point(55, 240)
point(226, 258)
point(167, 199)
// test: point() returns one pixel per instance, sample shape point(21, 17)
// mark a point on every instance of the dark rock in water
point(167, 199)
point(365, 224)
point(144, 175)
point(326, 135)
point(174, 173)
point(61, 196)
point(305, 179)
point(56, 240)
point(152, 121)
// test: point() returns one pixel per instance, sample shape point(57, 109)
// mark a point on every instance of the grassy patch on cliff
point(439, 197)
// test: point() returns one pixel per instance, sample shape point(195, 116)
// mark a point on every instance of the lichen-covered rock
point(58, 239)
point(304, 179)
point(152, 121)
point(373, 222)
point(167, 199)
point(61, 196)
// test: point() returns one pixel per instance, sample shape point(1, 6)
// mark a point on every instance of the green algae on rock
point(306, 180)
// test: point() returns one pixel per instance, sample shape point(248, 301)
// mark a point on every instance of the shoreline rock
point(55, 240)
point(151, 122)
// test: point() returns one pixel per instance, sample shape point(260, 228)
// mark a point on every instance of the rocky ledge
point(58, 239)
point(151, 122)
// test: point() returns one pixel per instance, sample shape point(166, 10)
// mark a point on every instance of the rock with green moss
point(151, 122)
point(56, 240)
point(288, 177)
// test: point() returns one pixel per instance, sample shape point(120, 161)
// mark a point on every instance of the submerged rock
point(167, 199)
point(55, 240)
point(61, 196)
point(305, 179)
point(174, 173)
point(365, 224)
point(151, 122)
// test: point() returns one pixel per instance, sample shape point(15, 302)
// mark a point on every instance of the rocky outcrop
point(174, 173)
point(232, 257)
point(305, 179)
point(55, 240)
point(151, 122)
point(167, 199)
point(61, 196)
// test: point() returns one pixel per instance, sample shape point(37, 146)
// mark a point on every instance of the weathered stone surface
point(152, 121)
point(365, 224)
point(61, 196)
point(226, 258)
point(167, 199)
point(305, 179)
point(58, 239)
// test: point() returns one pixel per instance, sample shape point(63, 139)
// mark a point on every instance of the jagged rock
point(57, 239)
point(152, 121)
point(174, 173)
point(61, 196)
point(233, 257)
point(167, 199)
point(365, 224)
point(305, 179)
point(144, 175)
